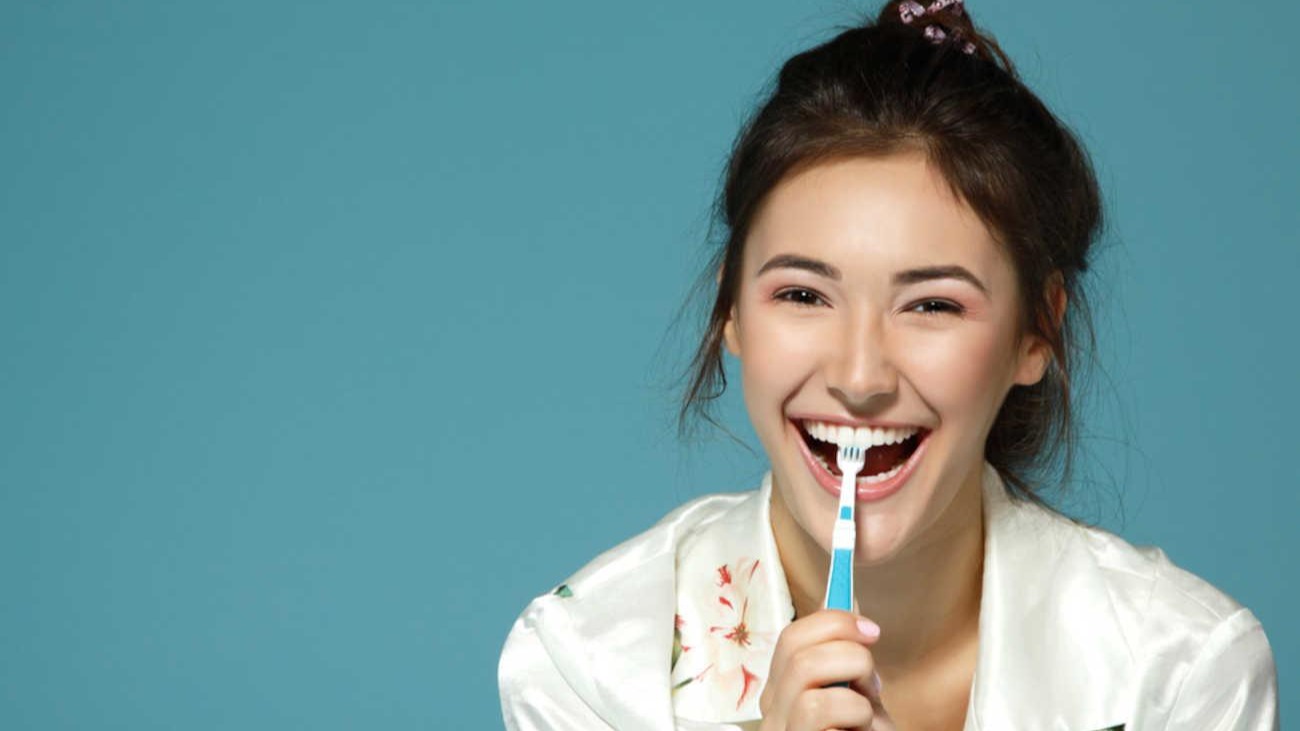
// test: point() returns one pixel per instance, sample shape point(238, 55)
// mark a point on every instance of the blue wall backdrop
point(330, 333)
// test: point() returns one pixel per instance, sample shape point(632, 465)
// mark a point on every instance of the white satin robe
point(1078, 631)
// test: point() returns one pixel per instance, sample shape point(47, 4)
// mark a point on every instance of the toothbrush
point(839, 584)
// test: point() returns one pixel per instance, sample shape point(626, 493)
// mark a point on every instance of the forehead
point(873, 215)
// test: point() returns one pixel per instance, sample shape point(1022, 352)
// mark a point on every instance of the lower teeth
point(873, 479)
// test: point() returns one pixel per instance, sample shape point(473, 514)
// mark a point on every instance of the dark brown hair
point(883, 88)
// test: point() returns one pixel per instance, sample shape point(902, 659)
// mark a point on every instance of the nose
point(860, 371)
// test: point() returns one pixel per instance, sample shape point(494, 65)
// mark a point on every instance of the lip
point(841, 421)
point(867, 492)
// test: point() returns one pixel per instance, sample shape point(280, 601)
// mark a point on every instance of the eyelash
point(788, 295)
point(950, 308)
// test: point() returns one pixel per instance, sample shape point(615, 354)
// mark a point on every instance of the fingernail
point(875, 682)
point(868, 628)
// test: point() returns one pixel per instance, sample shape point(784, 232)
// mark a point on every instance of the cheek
point(777, 358)
point(961, 371)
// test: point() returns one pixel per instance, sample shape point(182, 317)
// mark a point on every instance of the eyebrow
point(903, 278)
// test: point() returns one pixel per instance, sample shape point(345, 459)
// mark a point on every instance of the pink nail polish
point(868, 628)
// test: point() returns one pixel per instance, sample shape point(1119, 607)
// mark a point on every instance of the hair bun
point(940, 21)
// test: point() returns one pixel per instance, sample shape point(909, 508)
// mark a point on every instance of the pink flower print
point(726, 642)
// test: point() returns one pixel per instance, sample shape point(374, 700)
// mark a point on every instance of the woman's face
point(869, 295)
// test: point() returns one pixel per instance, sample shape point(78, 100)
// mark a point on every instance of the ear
point(1035, 352)
point(730, 337)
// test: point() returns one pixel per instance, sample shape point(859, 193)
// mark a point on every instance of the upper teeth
point(865, 437)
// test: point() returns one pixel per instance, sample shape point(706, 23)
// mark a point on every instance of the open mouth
point(889, 448)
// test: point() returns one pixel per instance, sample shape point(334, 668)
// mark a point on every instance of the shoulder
point(1193, 653)
point(557, 657)
point(1146, 588)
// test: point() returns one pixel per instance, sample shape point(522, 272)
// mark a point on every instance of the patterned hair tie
point(910, 10)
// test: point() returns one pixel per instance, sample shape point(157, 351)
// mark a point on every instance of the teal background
point(333, 332)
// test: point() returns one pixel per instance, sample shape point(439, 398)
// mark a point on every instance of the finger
point(838, 661)
point(868, 685)
point(822, 626)
point(882, 721)
point(830, 708)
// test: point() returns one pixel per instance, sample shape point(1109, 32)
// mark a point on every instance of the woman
point(908, 226)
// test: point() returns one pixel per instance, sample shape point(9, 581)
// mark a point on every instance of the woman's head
point(869, 296)
point(887, 92)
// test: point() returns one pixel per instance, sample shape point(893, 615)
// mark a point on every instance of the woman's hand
point(823, 648)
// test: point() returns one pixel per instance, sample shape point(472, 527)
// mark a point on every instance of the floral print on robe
point(723, 640)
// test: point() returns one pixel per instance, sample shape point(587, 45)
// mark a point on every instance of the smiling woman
point(908, 226)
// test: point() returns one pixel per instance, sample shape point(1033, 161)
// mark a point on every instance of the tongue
point(884, 458)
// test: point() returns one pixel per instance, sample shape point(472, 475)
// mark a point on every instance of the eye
point(799, 296)
point(937, 307)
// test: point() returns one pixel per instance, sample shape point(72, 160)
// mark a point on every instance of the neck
point(926, 598)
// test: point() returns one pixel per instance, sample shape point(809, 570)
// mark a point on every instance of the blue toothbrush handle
point(839, 589)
